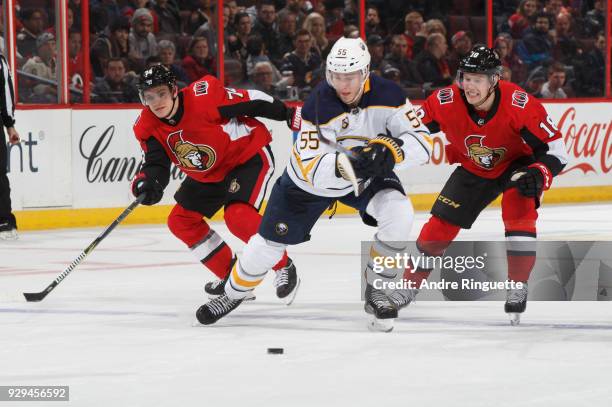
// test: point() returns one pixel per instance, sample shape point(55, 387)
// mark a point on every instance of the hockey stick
point(35, 297)
point(348, 172)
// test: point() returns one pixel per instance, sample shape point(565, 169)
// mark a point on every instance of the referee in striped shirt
point(8, 224)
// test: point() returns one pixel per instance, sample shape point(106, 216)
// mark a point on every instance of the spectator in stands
point(234, 74)
point(200, 14)
point(334, 22)
point(373, 24)
point(266, 27)
point(506, 74)
point(75, 59)
point(409, 75)
point(591, 74)
point(595, 19)
point(376, 47)
point(431, 26)
point(116, 86)
point(263, 78)
point(566, 48)
point(553, 88)
point(167, 57)
point(536, 47)
point(287, 27)
point(414, 28)
point(296, 7)
point(115, 44)
point(462, 45)
point(168, 17)
point(141, 39)
point(432, 63)
point(554, 8)
point(199, 61)
point(33, 21)
point(209, 31)
point(256, 53)
point(238, 43)
point(43, 65)
point(110, 7)
point(302, 61)
point(521, 20)
point(351, 31)
point(503, 46)
point(315, 24)
point(392, 73)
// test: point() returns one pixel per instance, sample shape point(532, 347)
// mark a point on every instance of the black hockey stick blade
point(36, 297)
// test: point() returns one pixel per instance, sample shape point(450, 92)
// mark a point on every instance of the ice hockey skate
point(8, 232)
point(287, 283)
point(402, 298)
point(383, 312)
point(516, 302)
point(216, 309)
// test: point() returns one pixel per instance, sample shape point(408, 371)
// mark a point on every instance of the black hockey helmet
point(155, 76)
point(481, 59)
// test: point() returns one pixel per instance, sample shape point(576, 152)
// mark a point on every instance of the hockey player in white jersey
point(372, 117)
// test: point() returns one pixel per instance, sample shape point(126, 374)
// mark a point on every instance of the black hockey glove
point(532, 180)
point(378, 157)
point(294, 118)
point(150, 187)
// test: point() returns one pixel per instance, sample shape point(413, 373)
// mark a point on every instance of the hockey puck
point(276, 351)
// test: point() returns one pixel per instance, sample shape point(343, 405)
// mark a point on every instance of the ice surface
point(121, 330)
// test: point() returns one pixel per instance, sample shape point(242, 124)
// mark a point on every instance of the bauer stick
point(35, 297)
point(346, 168)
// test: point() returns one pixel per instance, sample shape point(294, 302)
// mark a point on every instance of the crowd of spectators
point(553, 48)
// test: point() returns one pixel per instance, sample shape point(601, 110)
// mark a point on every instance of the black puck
point(276, 351)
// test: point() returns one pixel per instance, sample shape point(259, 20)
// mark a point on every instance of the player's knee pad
point(260, 255)
point(519, 212)
point(394, 213)
point(436, 235)
point(242, 220)
point(188, 226)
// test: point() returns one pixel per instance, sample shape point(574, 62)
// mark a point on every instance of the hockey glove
point(150, 187)
point(378, 157)
point(294, 118)
point(531, 181)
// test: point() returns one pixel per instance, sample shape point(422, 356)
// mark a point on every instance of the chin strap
point(491, 91)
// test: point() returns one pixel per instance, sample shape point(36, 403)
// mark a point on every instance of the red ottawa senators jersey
point(486, 145)
point(203, 144)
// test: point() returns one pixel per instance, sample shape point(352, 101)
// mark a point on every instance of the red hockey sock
point(433, 240)
point(520, 215)
point(243, 221)
point(204, 243)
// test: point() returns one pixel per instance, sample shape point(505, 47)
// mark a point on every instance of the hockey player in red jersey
point(505, 143)
point(210, 133)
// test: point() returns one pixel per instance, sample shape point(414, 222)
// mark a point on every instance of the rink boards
point(74, 167)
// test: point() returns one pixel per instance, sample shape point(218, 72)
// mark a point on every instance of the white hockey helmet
point(348, 55)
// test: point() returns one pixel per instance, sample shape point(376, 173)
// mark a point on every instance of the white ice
point(120, 330)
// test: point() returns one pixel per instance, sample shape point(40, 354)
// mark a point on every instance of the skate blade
point(515, 318)
point(288, 300)
point(380, 325)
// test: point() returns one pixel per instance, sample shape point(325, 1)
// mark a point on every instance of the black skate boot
point(402, 298)
point(287, 283)
point(216, 309)
point(516, 303)
point(217, 288)
point(383, 311)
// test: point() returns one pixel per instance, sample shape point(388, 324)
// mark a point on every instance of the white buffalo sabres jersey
point(383, 109)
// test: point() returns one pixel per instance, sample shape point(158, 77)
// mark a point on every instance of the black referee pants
point(5, 190)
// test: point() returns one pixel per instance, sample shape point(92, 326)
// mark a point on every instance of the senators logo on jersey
point(191, 156)
point(483, 156)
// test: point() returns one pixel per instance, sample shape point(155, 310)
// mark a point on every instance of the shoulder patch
point(200, 88)
point(445, 96)
point(520, 99)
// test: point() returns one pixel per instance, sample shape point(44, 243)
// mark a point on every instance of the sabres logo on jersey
point(483, 156)
point(191, 156)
